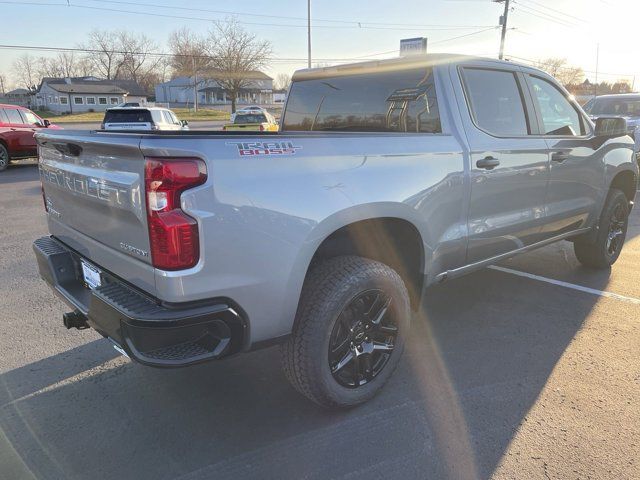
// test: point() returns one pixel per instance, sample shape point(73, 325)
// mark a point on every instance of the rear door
point(509, 167)
point(576, 178)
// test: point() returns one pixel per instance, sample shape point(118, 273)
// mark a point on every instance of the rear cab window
point(397, 101)
point(128, 115)
point(251, 118)
point(496, 101)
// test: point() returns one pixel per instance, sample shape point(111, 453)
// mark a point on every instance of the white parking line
point(560, 283)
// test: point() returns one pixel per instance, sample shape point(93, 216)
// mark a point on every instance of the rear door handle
point(488, 163)
point(559, 156)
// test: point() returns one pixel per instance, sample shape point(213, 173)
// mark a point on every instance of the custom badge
point(264, 148)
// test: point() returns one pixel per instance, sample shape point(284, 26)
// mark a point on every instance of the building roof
point(205, 77)
point(93, 85)
point(18, 91)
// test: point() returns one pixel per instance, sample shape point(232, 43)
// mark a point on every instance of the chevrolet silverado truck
point(385, 178)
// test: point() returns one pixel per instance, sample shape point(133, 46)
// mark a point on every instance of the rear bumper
point(149, 331)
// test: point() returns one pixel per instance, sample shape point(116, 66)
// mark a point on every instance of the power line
point(555, 10)
point(543, 15)
point(356, 25)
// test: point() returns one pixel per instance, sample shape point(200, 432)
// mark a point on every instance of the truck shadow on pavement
point(480, 353)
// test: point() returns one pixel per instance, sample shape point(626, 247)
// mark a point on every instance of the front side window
point(398, 101)
point(30, 118)
point(559, 117)
point(496, 101)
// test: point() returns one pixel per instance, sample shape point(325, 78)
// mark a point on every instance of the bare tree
point(234, 54)
point(282, 81)
point(137, 55)
point(189, 53)
point(25, 69)
point(105, 56)
point(561, 70)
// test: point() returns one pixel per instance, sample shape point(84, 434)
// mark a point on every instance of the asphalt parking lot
point(505, 377)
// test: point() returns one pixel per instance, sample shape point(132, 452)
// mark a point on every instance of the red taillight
point(173, 235)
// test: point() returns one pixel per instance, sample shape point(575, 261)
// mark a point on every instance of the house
point(180, 90)
point(19, 96)
point(84, 94)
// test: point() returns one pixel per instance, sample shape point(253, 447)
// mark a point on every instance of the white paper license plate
point(91, 275)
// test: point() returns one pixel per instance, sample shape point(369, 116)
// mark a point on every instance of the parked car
point(245, 110)
point(17, 126)
point(147, 118)
point(252, 122)
point(386, 177)
point(625, 105)
point(129, 105)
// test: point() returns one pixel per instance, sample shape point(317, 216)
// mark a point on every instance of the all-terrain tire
point(329, 288)
point(612, 227)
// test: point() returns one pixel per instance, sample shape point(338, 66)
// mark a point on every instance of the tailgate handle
point(68, 149)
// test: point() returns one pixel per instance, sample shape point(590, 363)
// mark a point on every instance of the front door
point(576, 177)
point(509, 166)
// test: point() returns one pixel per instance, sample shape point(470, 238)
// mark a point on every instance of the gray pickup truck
point(386, 177)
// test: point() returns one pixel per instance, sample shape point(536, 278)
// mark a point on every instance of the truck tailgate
point(94, 191)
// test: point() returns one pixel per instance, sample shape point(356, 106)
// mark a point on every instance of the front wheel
point(349, 332)
point(4, 157)
point(612, 231)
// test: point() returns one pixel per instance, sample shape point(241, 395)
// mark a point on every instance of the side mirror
point(47, 123)
point(610, 127)
point(184, 123)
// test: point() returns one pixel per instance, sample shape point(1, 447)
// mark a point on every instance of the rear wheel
point(612, 231)
point(4, 157)
point(349, 333)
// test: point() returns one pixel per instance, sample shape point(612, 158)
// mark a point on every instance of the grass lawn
point(96, 117)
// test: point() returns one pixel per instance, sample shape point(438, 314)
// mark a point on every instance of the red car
point(17, 126)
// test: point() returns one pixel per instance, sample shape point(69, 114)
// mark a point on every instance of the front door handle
point(559, 156)
point(488, 163)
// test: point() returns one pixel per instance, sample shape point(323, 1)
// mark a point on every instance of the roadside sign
point(413, 46)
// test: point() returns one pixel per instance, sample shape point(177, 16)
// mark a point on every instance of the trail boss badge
point(264, 148)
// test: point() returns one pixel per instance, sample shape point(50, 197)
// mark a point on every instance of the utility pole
point(595, 91)
point(195, 85)
point(503, 22)
point(308, 33)
point(2, 85)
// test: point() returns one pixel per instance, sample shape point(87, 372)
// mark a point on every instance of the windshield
point(615, 106)
point(243, 119)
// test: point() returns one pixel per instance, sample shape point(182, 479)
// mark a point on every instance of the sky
point(351, 30)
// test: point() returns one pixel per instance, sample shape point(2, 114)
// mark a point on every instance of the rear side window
point(400, 101)
point(129, 115)
point(496, 101)
point(13, 115)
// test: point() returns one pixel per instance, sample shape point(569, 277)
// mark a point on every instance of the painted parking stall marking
point(560, 283)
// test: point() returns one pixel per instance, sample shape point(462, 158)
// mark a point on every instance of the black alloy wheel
point(362, 339)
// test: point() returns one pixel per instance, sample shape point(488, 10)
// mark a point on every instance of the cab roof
point(399, 63)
